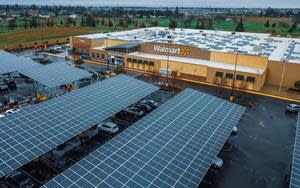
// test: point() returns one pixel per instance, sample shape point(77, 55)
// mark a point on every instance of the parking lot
point(262, 150)
point(57, 160)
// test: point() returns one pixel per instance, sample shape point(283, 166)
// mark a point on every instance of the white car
point(235, 130)
point(12, 111)
point(217, 163)
point(1, 115)
point(108, 127)
point(293, 107)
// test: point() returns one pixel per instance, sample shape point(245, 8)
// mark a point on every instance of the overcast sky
point(169, 3)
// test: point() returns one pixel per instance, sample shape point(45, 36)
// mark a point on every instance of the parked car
point(1, 115)
point(17, 179)
point(150, 102)
point(3, 86)
point(134, 111)
point(144, 106)
point(12, 111)
point(293, 107)
point(235, 130)
point(13, 101)
point(10, 83)
point(108, 127)
point(217, 163)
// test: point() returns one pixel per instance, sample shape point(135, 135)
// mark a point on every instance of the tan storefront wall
point(292, 74)
point(257, 85)
point(243, 60)
point(149, 68)
point(81, 44)
point(100, 53)
point(184, 51)
point(185, 68)
point(275, 72)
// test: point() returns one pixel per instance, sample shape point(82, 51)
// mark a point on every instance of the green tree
point(82, 23)
point(91, 20)
point(173, 24)
point(267, 24)
point(210, 24)
point(102, 22)
point(273, 25)
point(293, 28)
point(240, 26)
point(12, 23)
point(110, 24)
point(34, 22)
point(142, 25)
point(176, 12)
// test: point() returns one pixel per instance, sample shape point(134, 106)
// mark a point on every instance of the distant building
point(200, 55)
point(44, 16)
point(73, 16)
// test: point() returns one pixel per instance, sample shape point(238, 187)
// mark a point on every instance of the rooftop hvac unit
point(169, 36)
point(269, 39)
point(257, 48)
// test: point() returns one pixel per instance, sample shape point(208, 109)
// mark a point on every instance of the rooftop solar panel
point(10, 63)
point(171, 147)
point(35, 130)
point(295, 173)
point(55, 74)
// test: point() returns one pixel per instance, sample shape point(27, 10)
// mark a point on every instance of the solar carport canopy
point(56, 74)
point(295, 173)
point(11, 63)
point(35, 130)
point(171, 147)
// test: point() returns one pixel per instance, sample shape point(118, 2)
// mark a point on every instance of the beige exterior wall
point(243, 60)
point(98, 55)
point(275, 72)
point(184, 68)
point(81, 44)
point(257, 85)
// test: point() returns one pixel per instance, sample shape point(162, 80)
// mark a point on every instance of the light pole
point(107, 59)
point(231, 98)
point(168, 60)
point(282, 75)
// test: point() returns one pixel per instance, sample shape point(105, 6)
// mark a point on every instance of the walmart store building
point(210, 56)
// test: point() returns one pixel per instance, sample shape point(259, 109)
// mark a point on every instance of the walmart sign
point(184, 51)
point(164, 49)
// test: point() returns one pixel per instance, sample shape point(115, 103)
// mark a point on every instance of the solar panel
point(55, 74)
point(171, 147)
point(35, 130)
point(295, 173)
point(11, 63)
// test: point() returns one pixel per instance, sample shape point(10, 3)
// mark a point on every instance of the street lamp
point(282, 75)
point(168, 60)
point(231, 98)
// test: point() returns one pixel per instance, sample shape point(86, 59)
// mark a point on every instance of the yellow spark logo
point(185, 51)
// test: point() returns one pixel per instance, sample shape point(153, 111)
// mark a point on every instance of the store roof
point(275, 48)
point(201, 62)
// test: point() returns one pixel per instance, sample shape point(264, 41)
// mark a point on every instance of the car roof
point(110, 124)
